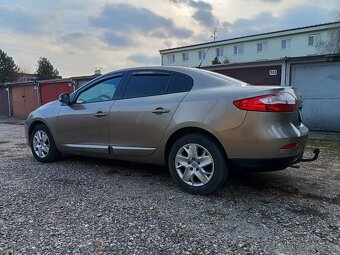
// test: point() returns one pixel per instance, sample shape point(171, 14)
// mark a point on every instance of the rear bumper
point(262, 136)
point(264, 165)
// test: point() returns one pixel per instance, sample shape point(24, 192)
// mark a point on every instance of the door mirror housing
point(65, 98)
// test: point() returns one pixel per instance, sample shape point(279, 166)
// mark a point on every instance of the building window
point(313, 40)
point(201, 54)
point(262, 47)
point(286, 44)
point(238, 49)
point(219, 52)
point(185, 56)
point(171, 58)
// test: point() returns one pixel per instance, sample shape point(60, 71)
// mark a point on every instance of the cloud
point(145, 59)
point(271, 1)
point(202, 12)
point(75, 41)
point(129, 20)
point(21, 20)
point(71, 37)
point(112, 38)
point(263, 22)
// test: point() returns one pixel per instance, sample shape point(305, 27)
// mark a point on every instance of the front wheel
point(197, 164)
point(43, 146)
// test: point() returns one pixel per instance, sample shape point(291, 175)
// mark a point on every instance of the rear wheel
point(197, 164)
point(43, 146)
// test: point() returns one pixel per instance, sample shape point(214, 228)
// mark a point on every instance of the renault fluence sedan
point(196, 122)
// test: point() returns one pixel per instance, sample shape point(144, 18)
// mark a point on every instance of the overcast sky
point(78, 36)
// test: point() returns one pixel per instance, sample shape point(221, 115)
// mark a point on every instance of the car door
point(83, 125)
point(139, 119)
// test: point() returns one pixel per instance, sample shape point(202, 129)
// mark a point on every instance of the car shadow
point(261, 181)
point(258, 181)
point(126, 168)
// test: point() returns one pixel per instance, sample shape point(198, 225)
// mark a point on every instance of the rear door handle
point(100, 114)
point(160, 110)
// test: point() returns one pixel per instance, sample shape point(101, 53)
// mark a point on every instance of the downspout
point(37, 87)
point(72, 84)
point(286, 71)
point(9, 102)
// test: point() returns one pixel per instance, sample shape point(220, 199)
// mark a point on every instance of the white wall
point(299, 47)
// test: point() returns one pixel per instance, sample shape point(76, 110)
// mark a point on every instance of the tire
point(201, 172)
point(43, 146)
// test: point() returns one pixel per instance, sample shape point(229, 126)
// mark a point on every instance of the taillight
point(290, 146)
point(275, 102)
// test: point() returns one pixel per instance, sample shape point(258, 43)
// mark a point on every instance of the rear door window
point(143, 85)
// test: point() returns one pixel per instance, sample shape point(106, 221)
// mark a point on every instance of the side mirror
point(65, 98)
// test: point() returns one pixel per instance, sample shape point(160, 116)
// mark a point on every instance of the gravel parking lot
point(94, 206)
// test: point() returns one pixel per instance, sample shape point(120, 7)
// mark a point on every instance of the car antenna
point(214, 37)
point(199, 66)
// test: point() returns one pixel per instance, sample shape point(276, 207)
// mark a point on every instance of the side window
point(179, 83)
point(143, 85)
point(102, 91)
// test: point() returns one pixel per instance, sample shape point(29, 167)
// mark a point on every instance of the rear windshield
point(223, 77)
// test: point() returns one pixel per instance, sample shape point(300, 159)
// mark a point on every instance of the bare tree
point(332, 44)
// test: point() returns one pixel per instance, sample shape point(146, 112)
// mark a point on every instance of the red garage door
point(51, 91)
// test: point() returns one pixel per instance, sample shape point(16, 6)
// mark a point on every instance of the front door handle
point(160, 110)
point(100, 114)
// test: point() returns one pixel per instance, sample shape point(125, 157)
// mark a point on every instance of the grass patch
point(330, 145)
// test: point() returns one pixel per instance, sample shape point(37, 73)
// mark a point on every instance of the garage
point(256, 75)
point(24, 99)
point(50, 90)
point(79, 81)
point(4, 107)
point(319, 85)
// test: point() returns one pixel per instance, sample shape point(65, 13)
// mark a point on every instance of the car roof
point(195, 73)
point(180, 69)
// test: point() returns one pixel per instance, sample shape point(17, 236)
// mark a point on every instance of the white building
point(295, 42)
point(307, 58)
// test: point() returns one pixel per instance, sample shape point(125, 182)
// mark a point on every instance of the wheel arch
point(190, 130)
point(34, 124)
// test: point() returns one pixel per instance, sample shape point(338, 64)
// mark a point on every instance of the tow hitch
point(316, 152)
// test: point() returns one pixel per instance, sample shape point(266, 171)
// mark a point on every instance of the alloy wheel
point(194, 164)
point(41, 144)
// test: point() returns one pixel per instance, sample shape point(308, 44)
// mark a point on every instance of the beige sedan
point(198, 123)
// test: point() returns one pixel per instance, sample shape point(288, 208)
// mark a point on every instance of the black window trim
point(152, 72)
point(93, 83)
point(179, 74)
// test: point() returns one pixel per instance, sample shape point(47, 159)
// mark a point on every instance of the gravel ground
point(93, 206)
